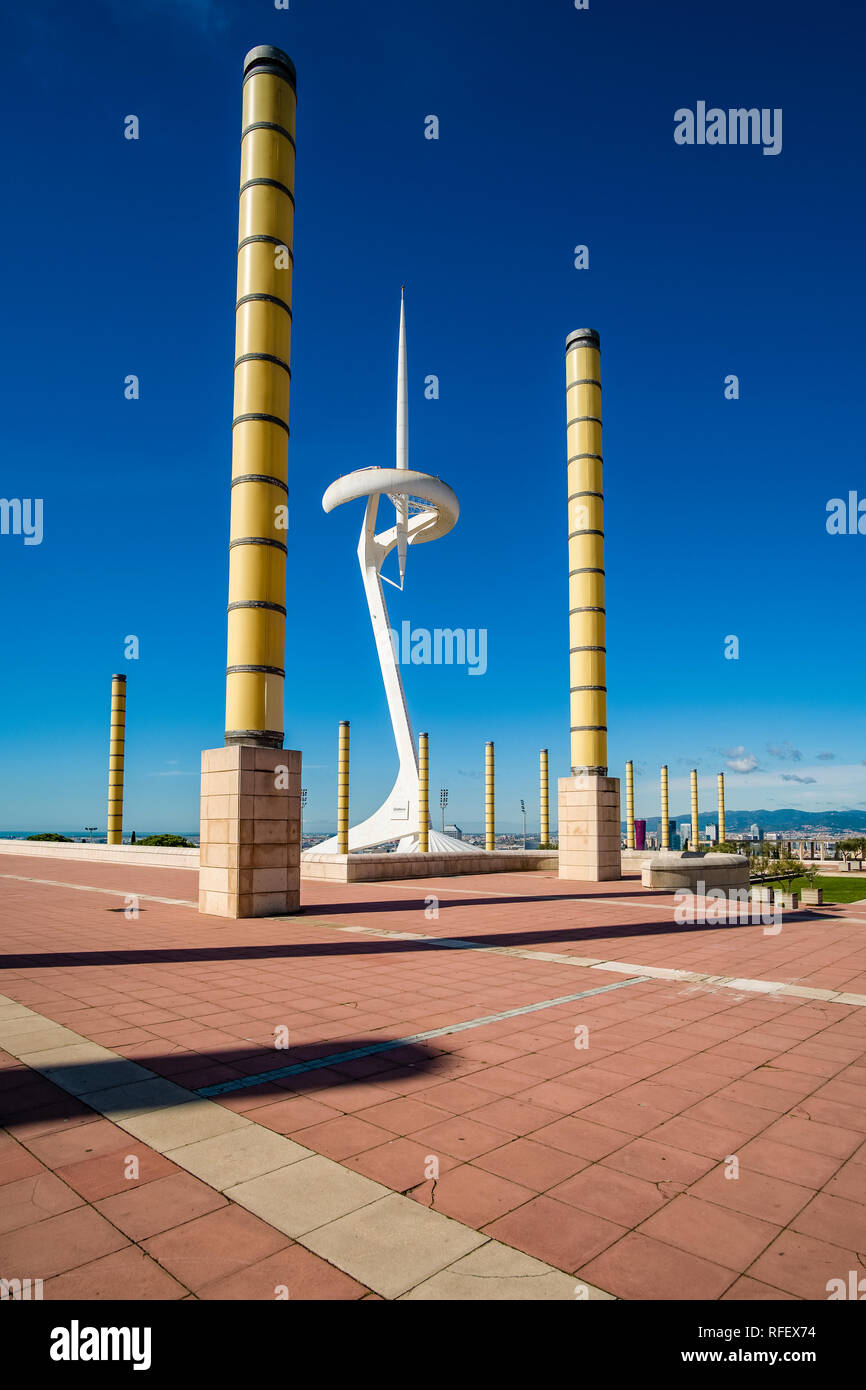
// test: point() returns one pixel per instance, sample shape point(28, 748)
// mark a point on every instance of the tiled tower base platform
point(589, 828)
point(250, 832)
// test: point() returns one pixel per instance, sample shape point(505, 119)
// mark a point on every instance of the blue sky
point(556, 129)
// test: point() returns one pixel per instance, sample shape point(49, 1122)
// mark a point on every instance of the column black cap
point(266, 58)
point(583, 337)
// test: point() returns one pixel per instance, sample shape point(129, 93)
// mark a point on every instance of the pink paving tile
point(753, 1193)
point(106, 1174)
point(631, 1116)
point(814, 1137)
point(748, 1290)
point(638, 1267)
point(659, 1163)
point(837, 1220)
point(460, 1137)
point(605, 1192)
point(31, 1199)
point(533, 1165)
point(58, 1244)
point(293, 1273)
point(404, 1116)
point(297, 1112)
point(128, 1274)
point(850, 1182)
point(558, 1096)
point(555, 1232)
point(343, 1137)
point(78, 1142)
point(158, 1206)
point(17, 1162)
point(471, 1195)
point(399, 1163)
point(581, 1137)
point(458, 1097)
point(727, 1237)
point(803, 1266)
point(514, 1116)
point(214, 1246)
point(699, 1137)
point(801, 1166)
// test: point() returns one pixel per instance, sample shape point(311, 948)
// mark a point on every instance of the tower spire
point(402, 391)
point(401, 503)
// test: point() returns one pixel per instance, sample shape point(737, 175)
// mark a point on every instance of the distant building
point(673, 836)
point(756, 832)
point(713, 834)
point(455, 831)
point(685, 833)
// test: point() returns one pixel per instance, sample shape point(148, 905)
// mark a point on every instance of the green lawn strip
point(836, 890)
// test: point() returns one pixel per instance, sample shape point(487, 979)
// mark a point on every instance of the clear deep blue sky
point(556, 129)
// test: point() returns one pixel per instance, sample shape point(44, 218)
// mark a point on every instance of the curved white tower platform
point(425, 508)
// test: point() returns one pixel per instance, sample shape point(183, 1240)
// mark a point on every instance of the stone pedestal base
point(589, 828)
point(250, 832)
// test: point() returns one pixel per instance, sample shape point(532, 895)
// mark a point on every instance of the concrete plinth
point(373, 868)
point(695, 873)
point(250, 832)
point(589, 828)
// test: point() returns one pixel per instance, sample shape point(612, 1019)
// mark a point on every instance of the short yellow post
point(423, 794)
point(666, 824)
point(721, 808)
point(116, 742)
point(544, 797)
point(489, 833)
point(695, 838)
point(629, 805)
point(343, 789)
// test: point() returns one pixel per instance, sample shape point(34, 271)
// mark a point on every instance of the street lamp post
point(90, 829)
point(303, 804)
point(523, 813)
point(443, 802)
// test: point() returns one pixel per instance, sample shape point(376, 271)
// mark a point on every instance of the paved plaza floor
point(491, 1087)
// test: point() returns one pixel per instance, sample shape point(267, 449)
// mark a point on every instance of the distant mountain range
point(784, 821)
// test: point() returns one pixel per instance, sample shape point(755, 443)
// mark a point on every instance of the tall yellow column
point(343, 789)
point(721, 808)
point(251, 787)
point(695, 838)
point(589, 812)
point(665, 840)
point(544, 797)
point(489, 813)
point(263, 319)
point(629, 805)
point(116, 744)
point(423, 794)
point(586, 554)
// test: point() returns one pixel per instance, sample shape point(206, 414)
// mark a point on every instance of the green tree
point(169, 841)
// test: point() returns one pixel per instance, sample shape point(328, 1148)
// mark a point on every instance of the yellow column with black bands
point(629, 805)
point(665, 840)
point(343, 789)
point(423, 794)
point(489, 799)
point(544, 797)
point(586, 554)
point(696, 832)
point(263, 316)
point(116, 744)
point(721, 808)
